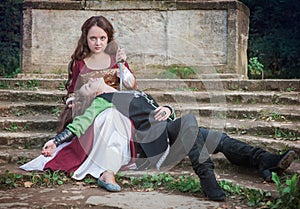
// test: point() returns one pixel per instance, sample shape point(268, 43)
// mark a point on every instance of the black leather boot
point(243, 154)
point(272, 162)
point(208, 182)
point(65, 136)
point(204, 168)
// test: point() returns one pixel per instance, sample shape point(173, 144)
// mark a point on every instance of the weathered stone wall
point(211, 35)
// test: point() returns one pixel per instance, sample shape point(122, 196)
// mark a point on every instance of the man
point(164, 140)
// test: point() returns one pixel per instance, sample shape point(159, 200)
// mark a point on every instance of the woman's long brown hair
point(64, 119)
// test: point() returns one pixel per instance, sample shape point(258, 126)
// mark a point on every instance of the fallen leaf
point(27, 184)
point(149, 189)
point(125, 182)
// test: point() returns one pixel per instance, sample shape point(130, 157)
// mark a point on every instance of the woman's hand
point(49, 148)
point(121, 55)
point(162, 113)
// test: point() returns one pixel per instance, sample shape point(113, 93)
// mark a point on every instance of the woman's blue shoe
point(109, 186)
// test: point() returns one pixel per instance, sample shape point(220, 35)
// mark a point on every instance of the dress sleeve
point(129, 80)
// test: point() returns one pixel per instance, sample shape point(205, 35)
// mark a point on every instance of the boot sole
point(283, 164)
point(286, 161)
point(218, 199)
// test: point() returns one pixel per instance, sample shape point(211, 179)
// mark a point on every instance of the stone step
point(42, 76)
point(33, 140)
point(222, 164)
point(239, 176)
point(219, 97)
point(194, 97)
point(25, 139)
point(270, 129)
point(275, 135)
point(227, 171)
point(49, 123)
point(65, 76)
point(11, 159)
point(42, 81)
point(288, 85)
point(9, 154)
point(272, 145)
point(28, 123)
point(32, 83)
point(239, 111)
point(217, 76)
point(30, 96)
point(29, 108)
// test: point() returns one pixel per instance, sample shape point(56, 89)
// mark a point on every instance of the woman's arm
point(74, 70)
point(129, 80)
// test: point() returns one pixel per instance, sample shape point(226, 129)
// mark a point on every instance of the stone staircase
point(264, 113)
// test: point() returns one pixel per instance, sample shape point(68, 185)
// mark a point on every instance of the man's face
point(93, 86)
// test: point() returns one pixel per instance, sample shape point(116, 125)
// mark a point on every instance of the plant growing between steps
point(286, 135)
point(29, 84)
point(174, 71)
point(255, 197)
point(21, 85)
point(4, 85)
point(276, 99)
point(10, 180)
point(56, 111)
point(271, 116)
point(13, 128)
point(289, 193)
point(187, 89)
point(289, 89)
point(61, 86)
point(255, 68)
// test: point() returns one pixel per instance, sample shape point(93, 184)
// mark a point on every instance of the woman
point(105, 147)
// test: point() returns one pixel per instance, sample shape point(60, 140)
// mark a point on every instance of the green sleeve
point(81, 123)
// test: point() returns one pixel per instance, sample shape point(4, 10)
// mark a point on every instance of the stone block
point(210, 36)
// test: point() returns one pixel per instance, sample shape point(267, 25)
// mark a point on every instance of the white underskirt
point(110, 151)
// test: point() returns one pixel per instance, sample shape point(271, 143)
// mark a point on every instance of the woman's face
point(97, 39)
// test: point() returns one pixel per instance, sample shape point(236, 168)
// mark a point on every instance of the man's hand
point(49, 148)
point(162, 113)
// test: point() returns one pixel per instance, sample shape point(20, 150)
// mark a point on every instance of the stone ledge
point(159, 5)
point(58, 4)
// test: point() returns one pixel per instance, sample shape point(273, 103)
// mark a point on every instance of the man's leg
point(204, 168)
point(243, 154)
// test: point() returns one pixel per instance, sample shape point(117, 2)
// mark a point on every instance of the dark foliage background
point(10, 29)
point(274, 36)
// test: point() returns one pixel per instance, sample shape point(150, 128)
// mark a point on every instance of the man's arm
point(81, 123)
